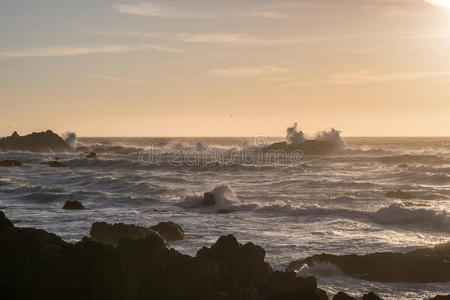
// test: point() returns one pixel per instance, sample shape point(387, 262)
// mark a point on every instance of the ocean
point(293, 206)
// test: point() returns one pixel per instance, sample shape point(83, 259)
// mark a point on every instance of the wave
point(224, 196)
point(437, 179)
point(409, 158)
point(397, 214)
point(70, 138)
point(320, 270)
point(333, 136)
point(394, 214)
point(112, 149)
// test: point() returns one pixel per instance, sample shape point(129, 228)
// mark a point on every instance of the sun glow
point(444, 3)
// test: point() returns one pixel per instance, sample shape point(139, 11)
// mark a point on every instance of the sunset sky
point(225, 67)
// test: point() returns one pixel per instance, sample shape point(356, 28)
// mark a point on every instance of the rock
point(421, 265)
point(36, 142)
point(74, 205)
point(371, 296)
point(245, 261)
point(10, 163)
point(439, 297)
point(170, 231)
point(342, 296)
point(399, 195)
point(92, 155)
point(56, 164)
point(224, 211)
point(208, 199)
point(113, 234)
point(308, 147)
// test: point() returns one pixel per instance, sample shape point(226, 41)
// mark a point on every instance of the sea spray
point(293, 135)
point(70, 138)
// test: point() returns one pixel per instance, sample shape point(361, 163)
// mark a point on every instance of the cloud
point(249, 72)
point(366, 77)
point(153, 10)
point(369, 77)
point(268, 14)
point(75, 51)
point(247, 40)
point(119, 79)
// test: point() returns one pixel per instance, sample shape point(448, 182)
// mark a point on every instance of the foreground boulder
point(170, 231)
point(342, 296)
point(421, 265)
point(73, 205)
point(371, 296)
point(112, 234)
point(399, 195)
point(10, 163)
point(40, 142)
point(309, 147)
point(440, 297)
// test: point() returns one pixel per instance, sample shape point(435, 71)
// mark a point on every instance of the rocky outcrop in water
point(208, 199)
point(308, 147)
point(399, 195)
point(55, 164)
point(73, 205)
point(91, 155)
point(39, 142)
point(10, 163)
point(421, 265)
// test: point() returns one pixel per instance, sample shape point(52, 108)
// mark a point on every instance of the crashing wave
point(224, 195)
point(70, 138)
point(398, 214)
point(293, 135)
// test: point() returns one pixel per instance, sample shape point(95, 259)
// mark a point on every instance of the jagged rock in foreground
point(170, 231)
point(39, 265)
point(40, 142)
point(112, 234)
point(399, 195)
point(421, 265)
point(10, 163)
point(342, 296)
point(309, 147)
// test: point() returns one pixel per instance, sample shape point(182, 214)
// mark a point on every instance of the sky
point(225, 67)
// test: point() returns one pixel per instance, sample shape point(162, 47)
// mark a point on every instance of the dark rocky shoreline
point(36, 264)
point(421, 265)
